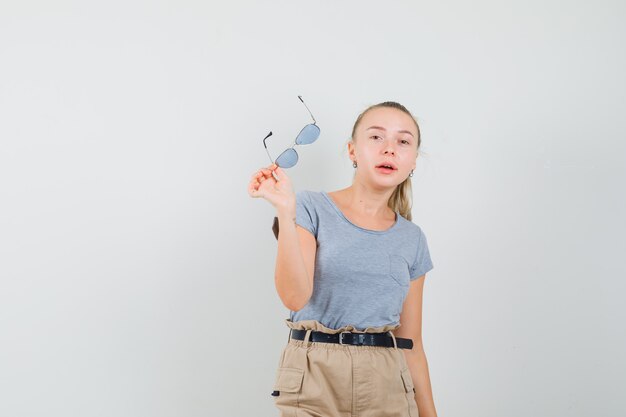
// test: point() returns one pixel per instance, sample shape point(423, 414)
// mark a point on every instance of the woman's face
point(385, 135)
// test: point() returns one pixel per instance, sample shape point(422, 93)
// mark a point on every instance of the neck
point(369, 202)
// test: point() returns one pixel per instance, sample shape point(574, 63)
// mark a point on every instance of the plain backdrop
point(136, 274)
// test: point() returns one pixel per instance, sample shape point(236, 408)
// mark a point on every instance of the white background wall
point(137, 274)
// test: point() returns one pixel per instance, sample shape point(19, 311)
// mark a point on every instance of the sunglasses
point(307, 135)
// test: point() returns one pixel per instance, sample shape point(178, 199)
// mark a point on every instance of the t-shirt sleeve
point(422, 263)
point(306, 216)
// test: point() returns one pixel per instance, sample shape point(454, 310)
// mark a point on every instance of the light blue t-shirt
point(361, 276)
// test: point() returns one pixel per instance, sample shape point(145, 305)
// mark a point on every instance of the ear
point(351, 150)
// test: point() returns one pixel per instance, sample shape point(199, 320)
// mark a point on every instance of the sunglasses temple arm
point(268, 154)
point(265, 146)
point(307, 107)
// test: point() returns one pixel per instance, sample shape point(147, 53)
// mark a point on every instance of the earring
point(354, 164)
point(411, 174)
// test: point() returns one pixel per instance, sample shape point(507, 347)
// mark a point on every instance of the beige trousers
point(317, 379)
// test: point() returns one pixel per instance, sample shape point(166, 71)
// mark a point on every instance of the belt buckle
point(360, 338)
point(341, 337)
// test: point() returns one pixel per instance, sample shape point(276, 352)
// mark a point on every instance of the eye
point(375, 136)
point(406, 141)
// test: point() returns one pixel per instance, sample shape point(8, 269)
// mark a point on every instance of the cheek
point(410, 153)
point(407, 158)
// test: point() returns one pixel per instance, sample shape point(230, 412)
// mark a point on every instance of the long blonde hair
point(402, 197)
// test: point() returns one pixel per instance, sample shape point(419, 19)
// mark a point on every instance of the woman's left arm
point(411, 327)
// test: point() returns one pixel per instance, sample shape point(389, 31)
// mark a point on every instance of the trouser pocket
point(287, 388)
point(409, 389)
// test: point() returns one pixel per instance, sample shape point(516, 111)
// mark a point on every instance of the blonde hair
point(401, 199)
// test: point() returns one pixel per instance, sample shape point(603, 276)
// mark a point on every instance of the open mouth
point(386, 169)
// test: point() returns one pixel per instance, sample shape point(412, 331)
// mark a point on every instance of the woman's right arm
point(295, 261)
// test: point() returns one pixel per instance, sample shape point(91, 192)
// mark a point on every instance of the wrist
point(286, 211)
point(286, 215)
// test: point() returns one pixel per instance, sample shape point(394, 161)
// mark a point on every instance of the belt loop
point(301, 359)
point(306, 337)
point(395, 344)
point(402, 362)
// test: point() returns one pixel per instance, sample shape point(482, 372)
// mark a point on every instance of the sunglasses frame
point(295, 142)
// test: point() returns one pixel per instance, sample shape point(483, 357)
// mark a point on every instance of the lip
point(385, 171)
point(391, 164)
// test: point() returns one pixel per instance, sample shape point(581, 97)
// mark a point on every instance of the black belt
point(357, 339)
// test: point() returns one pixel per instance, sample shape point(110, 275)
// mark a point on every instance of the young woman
point(350, 268)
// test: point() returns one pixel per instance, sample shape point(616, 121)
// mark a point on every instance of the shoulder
point(307, 210)
point(308, 197)
point(308, 192)
point(303, 193)
point(412, 228)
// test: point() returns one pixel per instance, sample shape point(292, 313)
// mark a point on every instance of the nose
point(389, 150)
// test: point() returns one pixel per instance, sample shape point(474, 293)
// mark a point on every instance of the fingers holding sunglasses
point(275, 188)
point(267, 172)
point(278, 173)
point(255, 182)
point(262, 174)
point(256, 187)
point(259, 179)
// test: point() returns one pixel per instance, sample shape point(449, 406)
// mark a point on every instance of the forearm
point(418, 366)
point(293, 284)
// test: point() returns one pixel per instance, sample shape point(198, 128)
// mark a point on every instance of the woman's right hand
point(278, 192)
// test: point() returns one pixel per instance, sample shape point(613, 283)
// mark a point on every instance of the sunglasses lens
point(308, 134)
point(287, 159)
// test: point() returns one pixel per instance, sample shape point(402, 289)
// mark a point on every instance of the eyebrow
point(383, 129)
